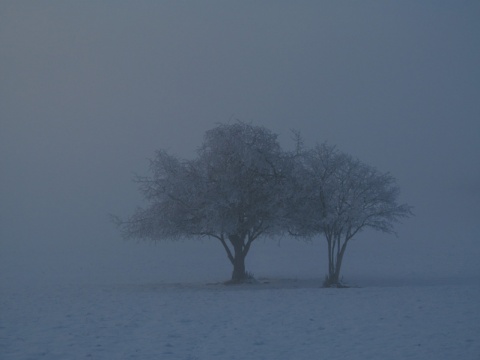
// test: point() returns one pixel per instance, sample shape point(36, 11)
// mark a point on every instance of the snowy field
point(281, 319)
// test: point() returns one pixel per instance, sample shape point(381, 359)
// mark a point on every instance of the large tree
point(230, 192)
point(338, 196)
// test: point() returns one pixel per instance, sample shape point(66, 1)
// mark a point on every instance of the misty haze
point(91, 94)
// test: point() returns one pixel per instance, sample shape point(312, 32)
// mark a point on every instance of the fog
point(89, 90)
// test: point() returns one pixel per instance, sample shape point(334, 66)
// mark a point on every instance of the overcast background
point(89, 90)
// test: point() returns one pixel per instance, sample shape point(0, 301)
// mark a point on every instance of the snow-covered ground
point(281, 319)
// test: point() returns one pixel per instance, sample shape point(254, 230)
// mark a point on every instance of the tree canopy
point(230, 192)
point(339, 196)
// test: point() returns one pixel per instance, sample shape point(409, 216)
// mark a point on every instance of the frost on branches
point(339, 196)
point(230, 192)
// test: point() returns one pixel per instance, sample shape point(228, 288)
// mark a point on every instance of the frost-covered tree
point(339, 196)
point(231, 192)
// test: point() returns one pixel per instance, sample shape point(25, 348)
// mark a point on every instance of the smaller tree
point(339, 196)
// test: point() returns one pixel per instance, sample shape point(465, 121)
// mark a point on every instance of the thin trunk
point(227, 249)
point(331, 258)
point(334, 278)
point(336, 251)
point(340, 259)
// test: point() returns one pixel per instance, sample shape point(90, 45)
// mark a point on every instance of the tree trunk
point(239, 274)
point(335, 265)
point(332, 278)
point(331, 266)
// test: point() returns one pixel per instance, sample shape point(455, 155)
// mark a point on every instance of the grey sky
point(89, 90)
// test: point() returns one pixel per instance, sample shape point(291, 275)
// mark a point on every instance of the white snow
point(282, 319)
